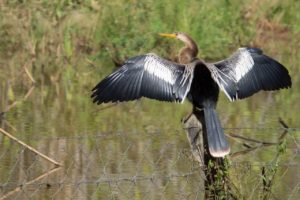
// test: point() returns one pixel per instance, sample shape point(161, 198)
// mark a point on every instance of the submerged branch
point(250, 139)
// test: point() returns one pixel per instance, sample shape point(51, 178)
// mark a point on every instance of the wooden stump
point(215, 169)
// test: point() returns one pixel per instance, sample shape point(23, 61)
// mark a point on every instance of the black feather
point(137, 78)
point(265, 73)
point(217, 143)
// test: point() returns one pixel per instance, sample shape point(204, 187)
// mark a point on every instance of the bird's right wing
point(145, 76)
point(248, 71)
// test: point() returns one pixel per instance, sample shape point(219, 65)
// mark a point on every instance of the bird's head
point(185, 38)
point(190, 50)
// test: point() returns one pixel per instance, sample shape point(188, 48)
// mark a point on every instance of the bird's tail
point(217, 143)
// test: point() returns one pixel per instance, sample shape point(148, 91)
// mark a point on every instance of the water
point(137, 150)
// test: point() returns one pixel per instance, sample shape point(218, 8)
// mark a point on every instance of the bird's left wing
point(145, 76)
point(248, 71)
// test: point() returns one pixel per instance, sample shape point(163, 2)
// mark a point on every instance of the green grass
point(63, 34)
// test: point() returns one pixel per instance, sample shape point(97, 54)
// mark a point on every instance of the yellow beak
point(172, 35)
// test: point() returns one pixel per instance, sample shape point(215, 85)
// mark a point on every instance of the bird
point(245, 72)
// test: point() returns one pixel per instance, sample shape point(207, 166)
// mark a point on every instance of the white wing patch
point(188, 76)
point(156, 68)
point(229, 72)
point(220, 81)
point(244, 64)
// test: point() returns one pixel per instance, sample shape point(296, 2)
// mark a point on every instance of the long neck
point(189, 52)
point(190, 44)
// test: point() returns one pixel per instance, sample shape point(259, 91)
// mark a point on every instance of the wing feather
point(145, 76)
point(248, 71)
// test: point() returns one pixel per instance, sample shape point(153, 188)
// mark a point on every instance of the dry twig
point(29, 147)
point(20, 187)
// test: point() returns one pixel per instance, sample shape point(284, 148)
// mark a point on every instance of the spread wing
point(145, 76)
point(248, 71)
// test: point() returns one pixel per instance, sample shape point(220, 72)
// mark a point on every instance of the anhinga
point(244, 73)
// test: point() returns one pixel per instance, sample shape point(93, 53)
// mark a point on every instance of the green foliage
point(269, 172)
point(68, 43)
